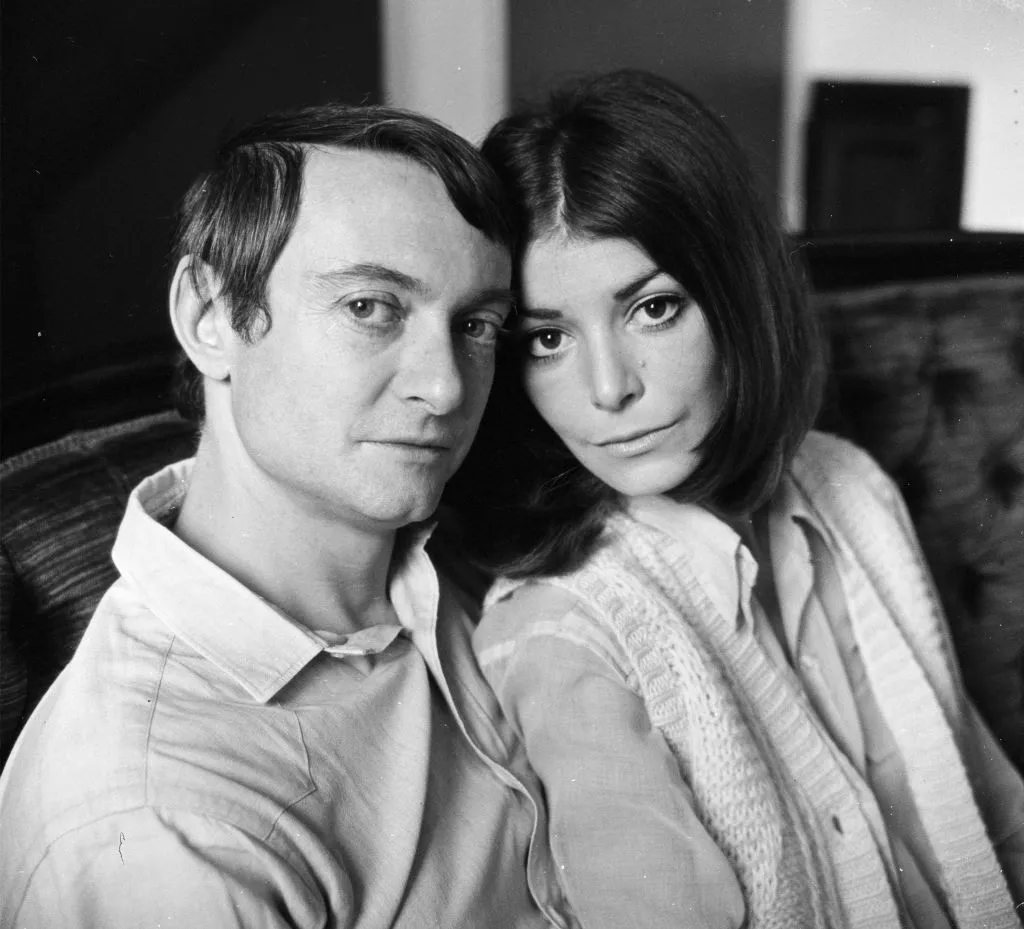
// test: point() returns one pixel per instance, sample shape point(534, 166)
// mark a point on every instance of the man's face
point(363, 397)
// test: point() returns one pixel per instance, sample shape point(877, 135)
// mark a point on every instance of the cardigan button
point(837, 825)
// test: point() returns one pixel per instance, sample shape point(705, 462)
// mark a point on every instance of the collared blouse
point(627, 843)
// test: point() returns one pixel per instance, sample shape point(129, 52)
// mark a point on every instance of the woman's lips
point(637, 444)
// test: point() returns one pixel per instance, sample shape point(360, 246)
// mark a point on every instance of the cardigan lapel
point(898, 629)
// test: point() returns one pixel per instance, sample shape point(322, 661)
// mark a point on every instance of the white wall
point(975, 42)
point(448, 59)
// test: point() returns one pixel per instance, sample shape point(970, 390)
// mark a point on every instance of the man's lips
point(443, 443)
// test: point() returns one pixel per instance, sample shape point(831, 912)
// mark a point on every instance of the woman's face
point(618, 360)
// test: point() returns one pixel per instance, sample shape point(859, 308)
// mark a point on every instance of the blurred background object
point(889, 135)
point(885, 157)
point(978, 45)
point(108, 112)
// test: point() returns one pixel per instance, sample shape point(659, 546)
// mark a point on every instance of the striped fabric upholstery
point(61, 506)
point(929, 378)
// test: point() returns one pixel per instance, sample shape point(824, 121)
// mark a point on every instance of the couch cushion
point(929, 378)
point(62, 504)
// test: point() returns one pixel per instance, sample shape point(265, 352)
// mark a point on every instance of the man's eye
point(480, 330)
point(372, 310)
point(542, 343)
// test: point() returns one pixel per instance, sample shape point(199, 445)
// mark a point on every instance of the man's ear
point(201, 318)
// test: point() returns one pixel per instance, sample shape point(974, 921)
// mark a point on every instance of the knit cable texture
point(734, 780)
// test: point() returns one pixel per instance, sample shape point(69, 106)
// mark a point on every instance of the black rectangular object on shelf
point(885, 157)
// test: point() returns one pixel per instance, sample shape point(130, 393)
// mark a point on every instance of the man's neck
point(322, 572)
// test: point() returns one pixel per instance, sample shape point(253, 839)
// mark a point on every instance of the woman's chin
point(637, 478)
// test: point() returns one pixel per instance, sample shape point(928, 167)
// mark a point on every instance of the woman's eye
point(657, 310)
point(543, 342)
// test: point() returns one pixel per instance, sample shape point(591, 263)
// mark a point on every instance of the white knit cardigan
point(761, 770)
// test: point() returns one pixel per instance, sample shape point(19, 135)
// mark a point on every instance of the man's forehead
point(360, 209)
point(346, 174)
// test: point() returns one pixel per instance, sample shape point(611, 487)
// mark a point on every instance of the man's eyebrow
point(494, 295)
point(367, 272)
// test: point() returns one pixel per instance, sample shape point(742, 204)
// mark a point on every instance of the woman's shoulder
point(536, 610)
point(826, 462)
point(512, 610)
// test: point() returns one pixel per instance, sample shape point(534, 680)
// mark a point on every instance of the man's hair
point(630, 155)
point(238, 216)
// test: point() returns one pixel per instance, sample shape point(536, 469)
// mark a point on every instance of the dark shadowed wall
point(109, 111)
point(728, 52)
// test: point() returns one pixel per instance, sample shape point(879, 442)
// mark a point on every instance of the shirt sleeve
point(628, 846)
point(157, 868)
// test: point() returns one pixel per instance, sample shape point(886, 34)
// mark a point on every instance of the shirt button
point(837, 825)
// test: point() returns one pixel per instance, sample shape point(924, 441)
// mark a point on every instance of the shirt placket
point(799, 572)
point(421, 609)
point(538, 867)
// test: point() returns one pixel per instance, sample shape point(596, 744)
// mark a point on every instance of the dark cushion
point(62, 504)
point(929, 378)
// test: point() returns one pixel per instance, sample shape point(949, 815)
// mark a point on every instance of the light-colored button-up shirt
point(628, 845)
point(206, 761)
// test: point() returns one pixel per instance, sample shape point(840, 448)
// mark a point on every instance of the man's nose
point(615, 380)
point(431, 373)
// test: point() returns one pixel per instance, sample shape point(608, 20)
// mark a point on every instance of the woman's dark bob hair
point(629, 155)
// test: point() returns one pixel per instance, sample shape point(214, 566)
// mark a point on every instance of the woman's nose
point(615, 380)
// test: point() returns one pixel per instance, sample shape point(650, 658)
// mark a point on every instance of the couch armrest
point(62, 505)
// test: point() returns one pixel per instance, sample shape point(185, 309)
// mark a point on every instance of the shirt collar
point(721, 563)
point(413, 586)
point(249, 639)
point(791, 501)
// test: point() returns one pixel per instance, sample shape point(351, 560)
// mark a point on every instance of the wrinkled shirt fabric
point(203, 760)
point(626, 831)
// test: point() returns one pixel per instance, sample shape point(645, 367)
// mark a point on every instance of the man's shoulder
point(150, 863)
point(90, 725)
point(138, 720)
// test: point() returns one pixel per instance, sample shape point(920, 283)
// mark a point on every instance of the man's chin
point(396, 514)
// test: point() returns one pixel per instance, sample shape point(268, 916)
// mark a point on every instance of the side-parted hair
point(237, 217)
point(630, 155)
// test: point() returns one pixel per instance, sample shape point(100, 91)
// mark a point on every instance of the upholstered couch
point(928, 376)
point(60, 506)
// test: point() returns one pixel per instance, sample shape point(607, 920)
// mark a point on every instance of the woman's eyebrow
point(637, 285)
point(623, 293)
point(536, 313)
